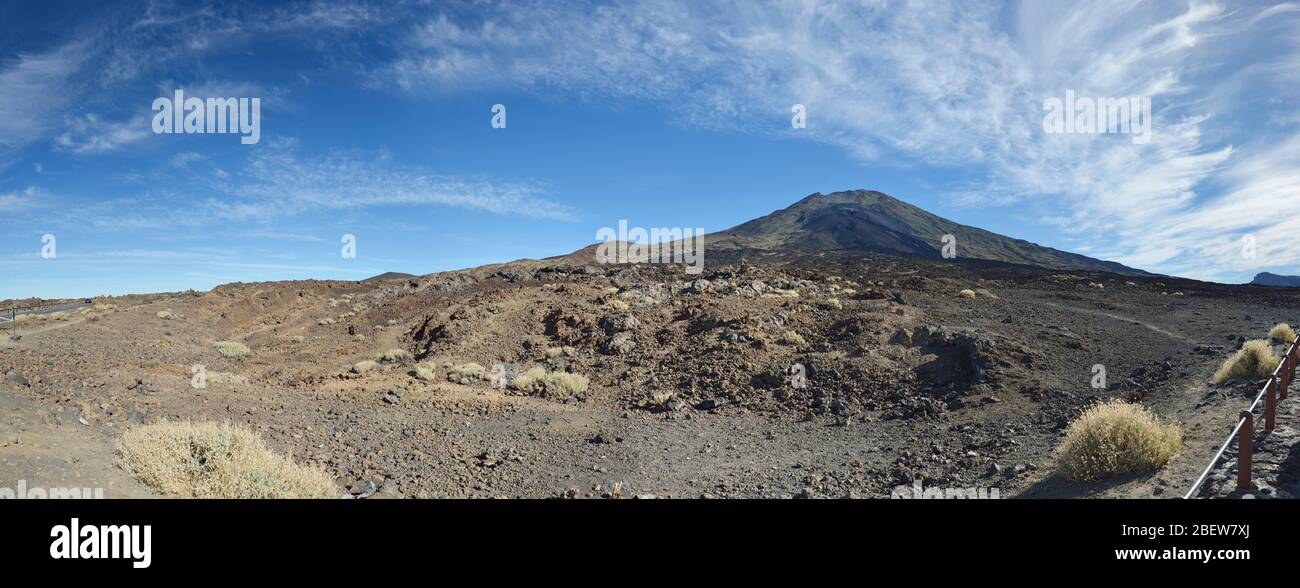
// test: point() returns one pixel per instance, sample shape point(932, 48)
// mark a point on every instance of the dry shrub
point(1116, 438)
point(425, 373)
point(793, 339)
point(231, 348)
point(550, 384)
point(207, 460)
point(394, 355)
point(363, 366)
point(1254, 361)
point(554, 352)
point(466, 373)
point(1282, 332)
point(165, 315)
point(967, 293)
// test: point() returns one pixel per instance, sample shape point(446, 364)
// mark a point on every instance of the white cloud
point(25, 199)
point(278, 182)
point(90, 134)
point(33, 90)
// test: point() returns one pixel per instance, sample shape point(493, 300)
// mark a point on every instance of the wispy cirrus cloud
point(33, 92)
point(91, 134)
point(278, 181)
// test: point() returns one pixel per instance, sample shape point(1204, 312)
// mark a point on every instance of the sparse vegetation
point(616, 304)
point(779, 293)
point(551, 384)
point(297, 338)
point(424, 373)
point(394, 356)
point(554, 352)
point(1116, 438)
point(1254, 361)
point(207, 460)
point(363, 366)
point(325, 321)
point(834, 304)
point(231, 348)
point(660, 399)
point(967, 293)
point(466, 373)
point(165, 315)
point(1282, 332)
point(793, 339)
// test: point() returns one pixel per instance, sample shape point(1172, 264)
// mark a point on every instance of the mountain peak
point(868, 220)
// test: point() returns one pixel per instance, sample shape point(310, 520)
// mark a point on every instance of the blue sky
point(375, 122)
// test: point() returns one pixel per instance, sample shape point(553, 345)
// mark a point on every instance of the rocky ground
point(816, 375)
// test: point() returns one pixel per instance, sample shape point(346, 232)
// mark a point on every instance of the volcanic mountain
point(865, 220)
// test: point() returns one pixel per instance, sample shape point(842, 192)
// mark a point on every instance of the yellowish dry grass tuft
point(466, 373)
point(554, 352)
point(793, 339)
point(1282, 332)
point(394, 355)
point(967, 293)
point(363, 366)
point(231, 348)
point(1254, 361)
point(207, 460)
point(424, 373)
point(550, 384)
point(1116, 438)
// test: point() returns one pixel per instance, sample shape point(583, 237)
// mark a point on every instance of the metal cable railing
point(1279, 382)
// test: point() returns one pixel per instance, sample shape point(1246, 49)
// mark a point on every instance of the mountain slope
point(863, 220)
point(1269, 279)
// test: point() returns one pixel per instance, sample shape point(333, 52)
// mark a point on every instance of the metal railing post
point(1270, 403)
point(1284, 372)
point(1244, 451)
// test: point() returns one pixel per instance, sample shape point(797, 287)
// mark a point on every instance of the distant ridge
point(389, 276)
point(1268, 279)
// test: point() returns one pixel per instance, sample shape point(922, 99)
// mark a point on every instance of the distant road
point(52, 309)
